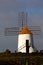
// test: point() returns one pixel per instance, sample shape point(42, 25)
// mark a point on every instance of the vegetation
point(8, 58)
point(7, 51)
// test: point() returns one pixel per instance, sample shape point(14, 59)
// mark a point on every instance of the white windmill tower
point(25, 34)
point(25, 41)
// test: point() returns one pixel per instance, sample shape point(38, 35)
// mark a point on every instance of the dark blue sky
point(9, 10)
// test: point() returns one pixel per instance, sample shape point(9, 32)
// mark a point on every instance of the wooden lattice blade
point(35, 30)
point(15, 30)
point(11, 31)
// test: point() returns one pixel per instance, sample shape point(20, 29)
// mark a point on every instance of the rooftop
point(25, 31)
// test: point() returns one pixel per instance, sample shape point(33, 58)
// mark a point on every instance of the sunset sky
point(9, 10)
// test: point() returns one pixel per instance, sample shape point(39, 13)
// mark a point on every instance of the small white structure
point(24, 41)
point(31, 50)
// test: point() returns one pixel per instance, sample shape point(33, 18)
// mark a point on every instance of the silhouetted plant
point(7, 51)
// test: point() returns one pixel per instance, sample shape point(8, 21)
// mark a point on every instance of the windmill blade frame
point(36, 30)
point(13, 31)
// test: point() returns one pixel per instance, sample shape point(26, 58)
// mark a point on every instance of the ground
point(21, 59)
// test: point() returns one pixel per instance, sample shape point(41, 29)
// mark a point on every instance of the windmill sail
point(15, 30)
point(11, 31)
point(22, 19)
point(22, 22)
point(35, 30)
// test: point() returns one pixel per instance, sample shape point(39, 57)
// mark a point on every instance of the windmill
point(22, 23)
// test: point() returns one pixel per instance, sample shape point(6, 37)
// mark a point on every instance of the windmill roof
point(25, 31)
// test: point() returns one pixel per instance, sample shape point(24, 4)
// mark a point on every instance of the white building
point(25, 41)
